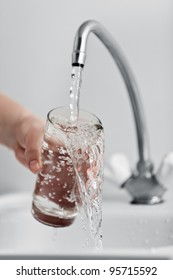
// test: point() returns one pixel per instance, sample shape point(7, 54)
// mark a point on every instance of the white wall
point(36, 38)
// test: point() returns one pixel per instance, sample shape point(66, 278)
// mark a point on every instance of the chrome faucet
point(142, 185)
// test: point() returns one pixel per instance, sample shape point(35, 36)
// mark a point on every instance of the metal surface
point(150, 192)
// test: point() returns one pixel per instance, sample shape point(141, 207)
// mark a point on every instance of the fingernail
point(34, 166)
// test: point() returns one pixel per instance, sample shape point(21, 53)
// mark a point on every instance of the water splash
point(86, 150)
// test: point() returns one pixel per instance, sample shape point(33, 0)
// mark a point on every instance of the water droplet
point(71, 91)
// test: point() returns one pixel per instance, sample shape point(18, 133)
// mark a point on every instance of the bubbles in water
point(63, 151)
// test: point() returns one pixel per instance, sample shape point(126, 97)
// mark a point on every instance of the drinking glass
point(71, 153)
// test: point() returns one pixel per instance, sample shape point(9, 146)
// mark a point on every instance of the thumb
point(33, 147)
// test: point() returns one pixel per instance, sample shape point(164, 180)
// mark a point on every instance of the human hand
point(27, 145)
point(22, 132)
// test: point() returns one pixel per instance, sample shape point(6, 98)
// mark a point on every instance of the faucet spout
point(79, 57)
point(144, 163)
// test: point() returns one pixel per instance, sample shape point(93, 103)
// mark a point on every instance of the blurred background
point(36, 40)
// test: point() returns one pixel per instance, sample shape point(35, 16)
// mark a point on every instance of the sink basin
point(129, 231)
point(139, 230)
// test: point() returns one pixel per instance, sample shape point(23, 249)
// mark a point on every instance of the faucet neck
point(78, 59)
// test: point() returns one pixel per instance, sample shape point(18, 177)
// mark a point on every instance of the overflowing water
point(86, 150)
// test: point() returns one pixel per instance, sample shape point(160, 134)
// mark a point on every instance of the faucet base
point(148, 201)
point(144, 189)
